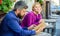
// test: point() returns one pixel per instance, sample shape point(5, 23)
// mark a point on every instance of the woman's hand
point(32, 27)
point(40, 21)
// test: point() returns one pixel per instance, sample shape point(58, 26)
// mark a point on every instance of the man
point(10, 24)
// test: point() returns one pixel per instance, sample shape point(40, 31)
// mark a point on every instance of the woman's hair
point(36, 3)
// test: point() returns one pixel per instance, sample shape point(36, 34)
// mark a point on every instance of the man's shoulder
point(10, 15)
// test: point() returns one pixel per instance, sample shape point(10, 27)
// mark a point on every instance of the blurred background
point(50, 11)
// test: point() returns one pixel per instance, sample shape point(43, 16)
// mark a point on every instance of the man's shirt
point(10, 26)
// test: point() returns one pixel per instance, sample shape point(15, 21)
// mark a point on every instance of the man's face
point(22, 12)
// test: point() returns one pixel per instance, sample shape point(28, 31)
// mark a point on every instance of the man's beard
point(19, 16)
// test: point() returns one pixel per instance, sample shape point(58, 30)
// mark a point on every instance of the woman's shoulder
point(29, 13)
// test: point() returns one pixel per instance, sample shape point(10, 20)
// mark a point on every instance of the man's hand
point(32, 27)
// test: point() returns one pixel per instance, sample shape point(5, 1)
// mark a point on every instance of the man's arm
point(14, 25)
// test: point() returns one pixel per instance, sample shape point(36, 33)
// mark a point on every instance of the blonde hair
point(36, 3)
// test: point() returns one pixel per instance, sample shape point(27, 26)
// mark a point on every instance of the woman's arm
point(40, 27)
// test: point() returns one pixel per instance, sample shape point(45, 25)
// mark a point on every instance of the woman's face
point(37, 8)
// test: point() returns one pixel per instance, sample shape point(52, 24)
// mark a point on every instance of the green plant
point(6, 5)
point(40, 1)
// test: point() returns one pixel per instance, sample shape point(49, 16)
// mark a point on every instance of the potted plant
point(5, 6)
point(0, 1)
point(40, 1)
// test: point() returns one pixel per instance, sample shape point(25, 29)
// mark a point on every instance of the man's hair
point(20, 5)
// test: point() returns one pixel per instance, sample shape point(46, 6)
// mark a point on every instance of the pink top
point(30, 19)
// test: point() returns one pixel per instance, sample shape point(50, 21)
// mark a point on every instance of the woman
point(33, 18)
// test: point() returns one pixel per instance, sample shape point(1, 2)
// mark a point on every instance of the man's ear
point(18, 10)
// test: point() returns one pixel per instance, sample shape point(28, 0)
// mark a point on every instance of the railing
point(51, 27)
